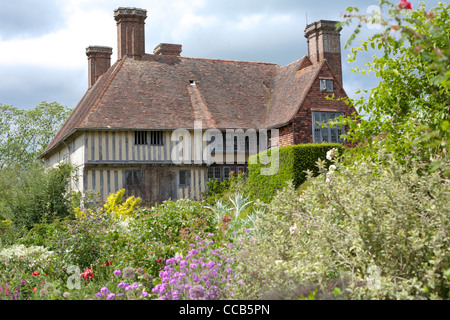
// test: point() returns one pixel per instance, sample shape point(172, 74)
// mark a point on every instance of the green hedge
point(293, 162)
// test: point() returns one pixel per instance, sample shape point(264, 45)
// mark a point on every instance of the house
point(128, 129)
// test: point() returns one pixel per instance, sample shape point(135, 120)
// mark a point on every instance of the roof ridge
point(229, 60)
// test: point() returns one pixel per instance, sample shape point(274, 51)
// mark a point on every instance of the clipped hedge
point(293, 162)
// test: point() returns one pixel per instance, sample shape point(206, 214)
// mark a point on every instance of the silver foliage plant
point(365, 232)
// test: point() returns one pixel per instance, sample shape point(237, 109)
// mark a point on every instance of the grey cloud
point(26, 87)
point(29, 18)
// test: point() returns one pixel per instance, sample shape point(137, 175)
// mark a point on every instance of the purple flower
point(99, 295)
point(105, 290)
point(193, 252)
point(134, 286)
point(197, 292)
point(145, 294)
point(247, 230)
point(211, 265)
point(111, 296)
point(210, 235)
point(193, 266)
point(117, 273)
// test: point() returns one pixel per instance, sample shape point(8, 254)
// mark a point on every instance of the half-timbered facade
point(124, 133)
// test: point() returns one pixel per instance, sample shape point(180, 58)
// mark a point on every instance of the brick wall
point(316, 101)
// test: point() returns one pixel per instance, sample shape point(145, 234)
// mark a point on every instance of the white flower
point(329, 176)
point(331, 154)
point(34, 253)
point(293, 229)
point(332, 168)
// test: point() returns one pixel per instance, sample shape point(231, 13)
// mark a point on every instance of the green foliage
point(158, 233)
point(222, 190)
point(374, 232)
point(24, 134)
point(294, 161)
point(408, 112)
point(29, 196)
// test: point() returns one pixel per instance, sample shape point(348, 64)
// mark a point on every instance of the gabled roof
point(169, 92)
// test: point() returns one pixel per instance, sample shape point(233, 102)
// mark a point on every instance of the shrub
point(376, 232)
point(222, 190)
point(156, 234)
point(120, 209)
point(293, 163)
point(29, 196)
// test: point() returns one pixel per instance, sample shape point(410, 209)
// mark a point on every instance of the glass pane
point(334, 137)
point(226, 173)
point(317, 136)
point(217, 173)
point(210, 173)
point(330, 85)
point(325, 135)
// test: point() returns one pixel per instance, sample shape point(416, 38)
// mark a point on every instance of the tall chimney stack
point(130, 32)
point(324, 43)
point(99, 61)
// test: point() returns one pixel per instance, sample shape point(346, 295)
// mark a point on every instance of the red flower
point(159, 260)
point(405, 4)
point(35, 273)
point(88, 274)
point(225, 219)
point(34, 289)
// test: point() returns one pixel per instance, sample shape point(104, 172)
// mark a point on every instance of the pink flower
point(405, 4)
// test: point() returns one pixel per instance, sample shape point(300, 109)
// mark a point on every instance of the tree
point(408, 112)
point(24, 134)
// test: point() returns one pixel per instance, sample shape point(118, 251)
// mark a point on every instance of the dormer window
point(326, 85)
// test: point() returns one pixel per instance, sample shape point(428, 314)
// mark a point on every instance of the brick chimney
point(168, 49)
point(324, 42)
point(99, 61)
point(130, 32)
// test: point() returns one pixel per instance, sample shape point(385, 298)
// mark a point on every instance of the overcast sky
point(43, 42)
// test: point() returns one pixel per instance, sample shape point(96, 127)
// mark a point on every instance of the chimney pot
point(99, 61)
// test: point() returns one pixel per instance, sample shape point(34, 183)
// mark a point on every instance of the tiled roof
point(169, 92)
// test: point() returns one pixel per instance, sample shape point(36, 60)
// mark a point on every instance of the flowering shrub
point(120, 209)
point(373, 232)
point(32, 253)
point(204, 274)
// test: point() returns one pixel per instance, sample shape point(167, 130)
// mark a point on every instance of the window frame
point(324, 117)
point(140, 138)
point(216, 173)
point(149, 138)
point(326, 85)
point(187, 178)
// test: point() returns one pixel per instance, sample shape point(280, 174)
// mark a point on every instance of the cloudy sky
point(43, 42)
